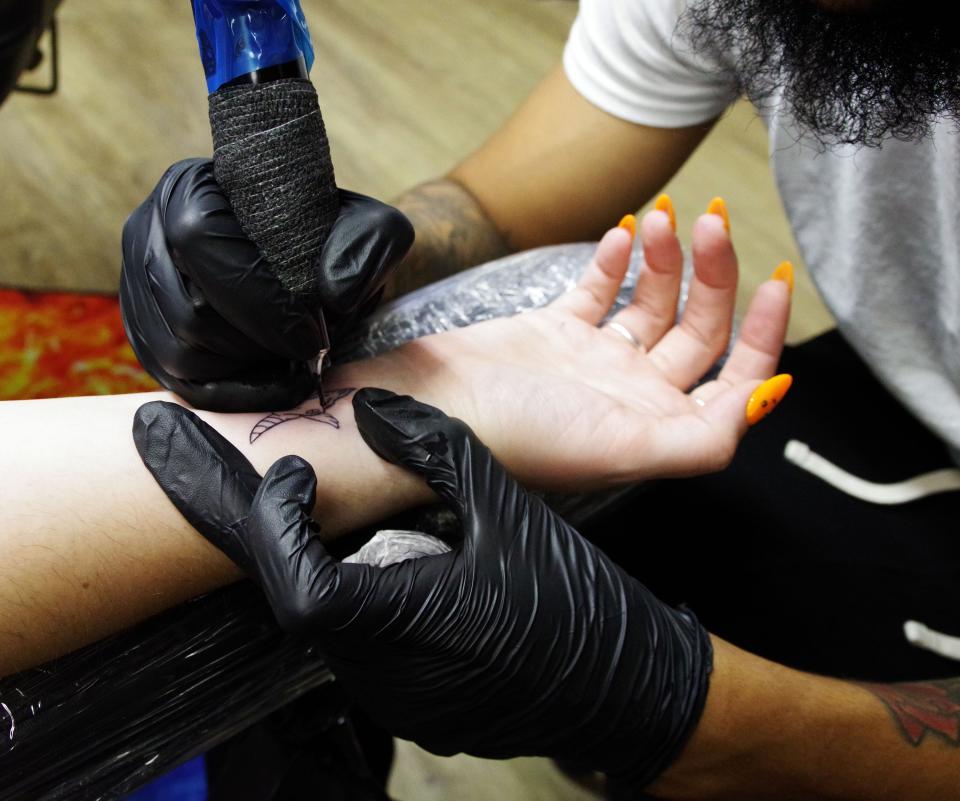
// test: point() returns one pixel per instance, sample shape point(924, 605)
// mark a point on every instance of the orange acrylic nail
point(629, 223)
point(767, 396)
point(718, 207)
point(784, 272)
point(665, 204)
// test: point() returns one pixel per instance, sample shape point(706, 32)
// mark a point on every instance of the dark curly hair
point(887, 70)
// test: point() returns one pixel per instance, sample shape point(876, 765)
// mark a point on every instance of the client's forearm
point(89, 544)
point(769, 732)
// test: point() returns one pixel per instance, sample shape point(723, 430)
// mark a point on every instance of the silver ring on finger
point(626, 334)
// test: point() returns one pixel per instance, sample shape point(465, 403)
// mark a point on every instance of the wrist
point(754, 737)
point(376, 489)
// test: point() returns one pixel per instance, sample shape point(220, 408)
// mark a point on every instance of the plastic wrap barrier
point(98, 723)
point(106, 719)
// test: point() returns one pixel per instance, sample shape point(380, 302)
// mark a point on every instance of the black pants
point(780, 563)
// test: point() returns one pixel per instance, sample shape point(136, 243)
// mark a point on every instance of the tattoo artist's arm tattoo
point(919, 708)
point(321, 414)
point(453, 233)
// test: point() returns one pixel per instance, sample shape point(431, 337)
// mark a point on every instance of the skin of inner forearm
point(770, 733)
point(90, 545)
point(453, 233)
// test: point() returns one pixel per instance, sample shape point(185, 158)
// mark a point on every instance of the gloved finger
point(208, 244)
point(345, 330)
point(190, 338)
point(369, 305)
point(149, 284)
point(209, 481)
point(305, 587)
point(365, 246)
point(273, 388)
point(445, 452)
point(266, 387)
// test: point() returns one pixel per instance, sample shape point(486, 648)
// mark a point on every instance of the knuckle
point(294, 611)
point(188, 199)
point(294, 464)
point(662, 318)
point(454, 429)
point(725, 452)
point(400, 226)
point(710, 336)
point(589, 295)
point(183, 226)
point(393, 231)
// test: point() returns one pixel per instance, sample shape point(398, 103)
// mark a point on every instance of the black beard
point(889, 71)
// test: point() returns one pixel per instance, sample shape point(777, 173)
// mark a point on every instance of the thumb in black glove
point(206, 316)
point(523, 640)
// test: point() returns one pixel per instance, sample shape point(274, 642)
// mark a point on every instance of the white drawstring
point(925, 637)
point(947, 480)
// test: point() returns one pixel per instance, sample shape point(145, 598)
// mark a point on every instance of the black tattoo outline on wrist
point(921, 708)
point(316, 415)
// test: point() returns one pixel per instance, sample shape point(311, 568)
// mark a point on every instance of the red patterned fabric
point(55, 344)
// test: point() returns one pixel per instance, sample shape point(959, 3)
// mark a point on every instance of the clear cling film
point(238, 38)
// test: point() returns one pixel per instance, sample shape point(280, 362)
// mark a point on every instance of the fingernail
point(665, 204)
point(784, 272)
point(767, 396)
point(718, 207)
point(629, 223)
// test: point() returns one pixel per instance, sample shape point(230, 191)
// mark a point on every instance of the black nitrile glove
point(210, 321)
point(523, 640)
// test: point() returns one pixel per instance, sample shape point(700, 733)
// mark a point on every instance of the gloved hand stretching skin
point(527, 640)
point(210, 321)
point(523, 640)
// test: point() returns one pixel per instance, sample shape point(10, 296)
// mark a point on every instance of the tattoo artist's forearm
point(923, 711)
point(771, 732)
point(453, 233)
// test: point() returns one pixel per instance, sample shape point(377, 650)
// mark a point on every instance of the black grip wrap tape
point(272, 159)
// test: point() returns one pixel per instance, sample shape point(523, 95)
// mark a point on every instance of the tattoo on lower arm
point(321, 414)
point(919, 708)
point(453, 233)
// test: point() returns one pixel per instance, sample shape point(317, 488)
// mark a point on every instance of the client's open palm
point(567, 402)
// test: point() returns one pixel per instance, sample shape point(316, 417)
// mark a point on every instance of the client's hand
point(567, 404)
point(525, 639)
point(210, 321)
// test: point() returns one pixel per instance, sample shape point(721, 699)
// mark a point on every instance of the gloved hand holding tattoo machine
point(524, 639)
point(232, 269)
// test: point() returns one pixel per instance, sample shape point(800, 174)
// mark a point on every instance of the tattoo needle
point(321, 356)
point(320, 383)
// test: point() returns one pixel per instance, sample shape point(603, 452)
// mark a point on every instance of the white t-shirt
point(879, 229)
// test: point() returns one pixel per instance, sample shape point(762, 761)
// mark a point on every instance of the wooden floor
point(407, 87)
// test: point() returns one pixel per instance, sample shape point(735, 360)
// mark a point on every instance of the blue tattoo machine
point(270, 150)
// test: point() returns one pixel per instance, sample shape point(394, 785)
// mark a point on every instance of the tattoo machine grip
point(272, 159)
